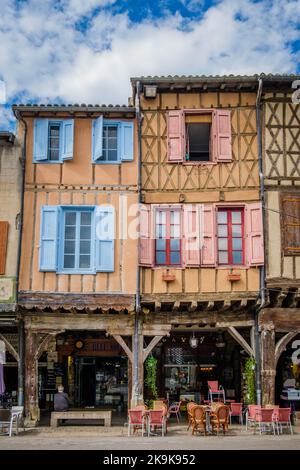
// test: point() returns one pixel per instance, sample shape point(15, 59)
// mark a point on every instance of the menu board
point(53, 374)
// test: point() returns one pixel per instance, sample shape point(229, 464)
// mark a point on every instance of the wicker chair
point(189, 408)
point(219, 419)
point(198, 421)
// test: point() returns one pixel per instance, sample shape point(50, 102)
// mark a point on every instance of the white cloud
point(44, 57)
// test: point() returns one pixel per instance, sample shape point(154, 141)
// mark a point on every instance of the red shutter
point(176, 133)
point(191, 230)
point(3, 245)
point(221, 129)
point(255, 245)
point(208, 231)
point(146, 238)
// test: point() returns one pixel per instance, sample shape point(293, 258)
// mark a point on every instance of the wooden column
point(268, 371)
point(32, 410)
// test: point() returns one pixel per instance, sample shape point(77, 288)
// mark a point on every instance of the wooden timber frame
point(42, 329)
point(272, 320)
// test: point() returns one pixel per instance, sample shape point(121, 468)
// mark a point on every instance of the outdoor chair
point(174, 409)
point(264, 419)
point(136, 419)
point(198, 421)
point(219, 419)
point(283, 419)
point(7, 420)
point(215, 390)
point(236, 409)
point(156, 419)
point(189, 408)
point(250, 415)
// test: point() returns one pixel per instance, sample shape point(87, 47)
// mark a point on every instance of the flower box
point(233, 277)
point(168, 276)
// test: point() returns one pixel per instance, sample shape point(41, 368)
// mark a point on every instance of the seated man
point(61, 400)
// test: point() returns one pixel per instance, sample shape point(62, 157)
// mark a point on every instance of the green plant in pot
point(249, 374)
point(150, 379)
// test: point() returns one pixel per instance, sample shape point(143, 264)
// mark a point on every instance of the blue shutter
point(40, 140)
point(127, 141)
point(67, 139)
point(105, 238)
point(97, 142)
point(49, 238)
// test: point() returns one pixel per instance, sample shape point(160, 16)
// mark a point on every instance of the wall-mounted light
point(194, 341)
point(220, 341)
point(150, 91)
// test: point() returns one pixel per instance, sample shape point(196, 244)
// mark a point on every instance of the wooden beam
point(47, 322)
point(242, 342)
point(45, 342)
point(193, 306)
point(10, 348)
point(123, 345)
point(151, 346)
point(282, 344)
point(285, 319)
point(157, 307)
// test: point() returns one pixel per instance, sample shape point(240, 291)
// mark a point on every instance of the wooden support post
point(31, 379)
point(151, 346)
point(239, 338)
point(268, 371)
point(123, 345)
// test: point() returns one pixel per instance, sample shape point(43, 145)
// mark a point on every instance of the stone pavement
point(115, 438)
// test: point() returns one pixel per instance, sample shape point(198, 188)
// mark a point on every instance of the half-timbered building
point(279, 318)
point(201, 247)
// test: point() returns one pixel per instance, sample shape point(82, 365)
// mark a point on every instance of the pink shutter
point(221, 129)
point(176, 136)
point(146, 240)
point(191, 234)
point(208, 231)
point(255, 245)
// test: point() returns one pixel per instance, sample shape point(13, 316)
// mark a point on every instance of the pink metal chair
point(136, 420)
point(264, 419)
point(236, 409)
point(250, 415)
point(283, 418)
point(214, 389)
point(156, 418)
point(174, 409)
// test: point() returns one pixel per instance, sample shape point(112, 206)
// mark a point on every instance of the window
point(167, 239)
point(77, 240)
point(194, 235)
point(112, 141)
point(230, 233)
point(290, 207)
point(53, 140)
point(3, 245)
point(198, 135)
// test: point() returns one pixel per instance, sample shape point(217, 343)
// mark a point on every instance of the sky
point(85, 51)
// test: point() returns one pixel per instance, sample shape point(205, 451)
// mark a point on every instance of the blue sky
point(76, 51)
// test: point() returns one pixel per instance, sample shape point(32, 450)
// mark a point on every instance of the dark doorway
point(88, 384)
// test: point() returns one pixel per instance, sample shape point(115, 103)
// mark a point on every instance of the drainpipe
point(262, 268)
point(138, 320)
point(21, 368)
